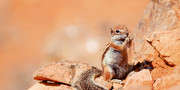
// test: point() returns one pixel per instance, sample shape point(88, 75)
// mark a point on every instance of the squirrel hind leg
point(120, 71)
point(108, 73)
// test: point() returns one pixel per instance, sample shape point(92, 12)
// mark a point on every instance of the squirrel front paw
point(128, 39)
point(131, 37)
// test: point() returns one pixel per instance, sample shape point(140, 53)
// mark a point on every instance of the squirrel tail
point(86, 80)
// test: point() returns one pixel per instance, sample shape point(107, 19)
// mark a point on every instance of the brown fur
point(117, 70)
point(86, 80)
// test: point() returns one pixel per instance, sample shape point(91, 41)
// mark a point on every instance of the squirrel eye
point(117, 31)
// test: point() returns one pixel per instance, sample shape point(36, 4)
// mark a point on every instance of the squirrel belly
point(114, 64)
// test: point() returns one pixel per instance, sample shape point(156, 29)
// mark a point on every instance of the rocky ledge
point(63, 74)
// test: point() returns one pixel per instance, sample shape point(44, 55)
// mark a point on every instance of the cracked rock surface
point(158, 33)
point(157, 40)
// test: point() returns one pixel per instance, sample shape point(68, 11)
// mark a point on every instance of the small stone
point(117, 86)
point(101, 82)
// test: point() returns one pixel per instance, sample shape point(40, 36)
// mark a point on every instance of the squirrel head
point(119, 33)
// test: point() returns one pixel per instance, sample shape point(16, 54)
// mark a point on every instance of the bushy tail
point(86, 80)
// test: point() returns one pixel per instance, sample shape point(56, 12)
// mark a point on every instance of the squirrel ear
point(126, 28)
point(111, 30)
point(127, 32)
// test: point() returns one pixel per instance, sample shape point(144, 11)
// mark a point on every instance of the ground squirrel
point(114, 58)
point(114, 61)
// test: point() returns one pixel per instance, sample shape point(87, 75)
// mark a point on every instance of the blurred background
point(34, 33)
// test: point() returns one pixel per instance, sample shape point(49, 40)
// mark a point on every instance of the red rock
point(117, 86)
point(157, 82)
point(138, 88)
point(161, 72)
point(167, 43)
point(144, 51)
point(169, 82)
point(101, 82)
point(42, 86)
point(62, 71)
point(158, 33)
point(177, 70)
point(158, 63)
point(141, 78)
point(160, 69)
point(177, 87)
point(67, 72)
